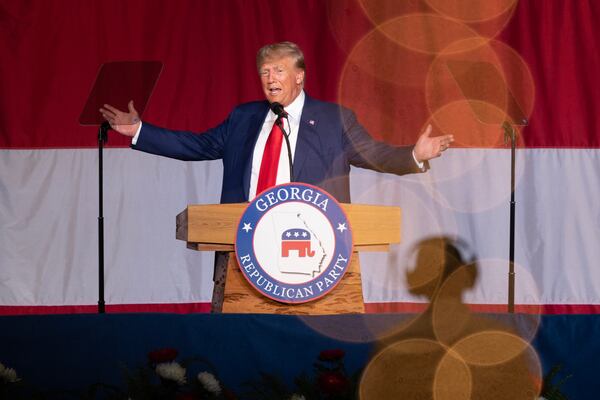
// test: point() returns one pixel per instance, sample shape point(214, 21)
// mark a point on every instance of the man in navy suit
point(325, 138)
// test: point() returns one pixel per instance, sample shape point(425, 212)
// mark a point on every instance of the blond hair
point(278, 50)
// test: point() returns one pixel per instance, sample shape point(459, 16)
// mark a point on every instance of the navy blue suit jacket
point(329, 140)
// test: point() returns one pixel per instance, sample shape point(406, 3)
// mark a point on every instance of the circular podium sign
point(294, 243)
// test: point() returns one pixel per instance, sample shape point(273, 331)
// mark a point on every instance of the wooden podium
point(213, 228)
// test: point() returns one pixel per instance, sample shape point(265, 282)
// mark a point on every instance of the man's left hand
point(428, 147)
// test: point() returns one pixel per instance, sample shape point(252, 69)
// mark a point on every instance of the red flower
point(331, 355)
point(162, 355)
point(332, 383)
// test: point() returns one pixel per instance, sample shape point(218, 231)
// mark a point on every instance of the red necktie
point(270, 160)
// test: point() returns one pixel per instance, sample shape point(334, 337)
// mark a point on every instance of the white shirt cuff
point(134, 139)
point(421, 164)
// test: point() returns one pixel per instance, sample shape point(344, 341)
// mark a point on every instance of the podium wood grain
point(217, 224)
point(345, 298)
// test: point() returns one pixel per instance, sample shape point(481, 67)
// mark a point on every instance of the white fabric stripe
point(48, 220)
point(467, 195)
point(48, 240)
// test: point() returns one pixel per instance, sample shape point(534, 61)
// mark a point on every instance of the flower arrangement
point(11, 386)
point(329, 381)
point(165, 378)
point(8, 375)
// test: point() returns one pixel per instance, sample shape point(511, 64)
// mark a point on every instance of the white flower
point(209, 382)
point(296, 396)
point(8, 374)
point(172, 371)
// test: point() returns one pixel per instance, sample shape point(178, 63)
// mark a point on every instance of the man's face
point(281, 80)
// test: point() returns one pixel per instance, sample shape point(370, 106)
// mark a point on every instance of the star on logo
point(247, 227)
point(341, 227)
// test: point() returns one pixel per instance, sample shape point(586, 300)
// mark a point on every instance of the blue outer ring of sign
point(245, 239)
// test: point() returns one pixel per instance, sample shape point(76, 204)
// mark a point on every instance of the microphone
point(277, 108)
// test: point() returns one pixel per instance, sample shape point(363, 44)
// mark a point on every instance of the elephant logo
point(298, 240)
point(293, 243)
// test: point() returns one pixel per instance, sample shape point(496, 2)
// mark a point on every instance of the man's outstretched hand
point(126, 123)
point(428, 147)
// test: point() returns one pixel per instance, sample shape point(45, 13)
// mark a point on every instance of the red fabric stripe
point(371, 308)
point(567, 84)
point(374, 308)
point(175, 308)
point(43, 91)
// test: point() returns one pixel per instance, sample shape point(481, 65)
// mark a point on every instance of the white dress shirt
point(291, 125)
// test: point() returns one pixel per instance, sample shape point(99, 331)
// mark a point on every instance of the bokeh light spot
point(452, 379)
point(403, 370)
point(472, 10)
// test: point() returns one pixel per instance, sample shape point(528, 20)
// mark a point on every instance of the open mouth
point(274, 91)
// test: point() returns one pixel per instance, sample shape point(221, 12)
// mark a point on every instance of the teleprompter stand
point(472, 78)
point(116, 84)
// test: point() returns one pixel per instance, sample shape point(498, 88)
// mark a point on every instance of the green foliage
point(550, 389)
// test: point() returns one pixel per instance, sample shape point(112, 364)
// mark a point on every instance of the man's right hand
point(126, 123)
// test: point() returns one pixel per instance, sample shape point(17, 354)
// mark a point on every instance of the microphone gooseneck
point(278, 109)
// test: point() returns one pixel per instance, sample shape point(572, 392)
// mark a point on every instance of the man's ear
point(300, 77)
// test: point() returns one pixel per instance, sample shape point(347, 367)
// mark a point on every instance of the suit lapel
point(254, 127)
point(308, 136)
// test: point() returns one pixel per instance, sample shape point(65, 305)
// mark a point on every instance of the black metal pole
point(286, 136)
point(510, 134)
point(102, 138)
